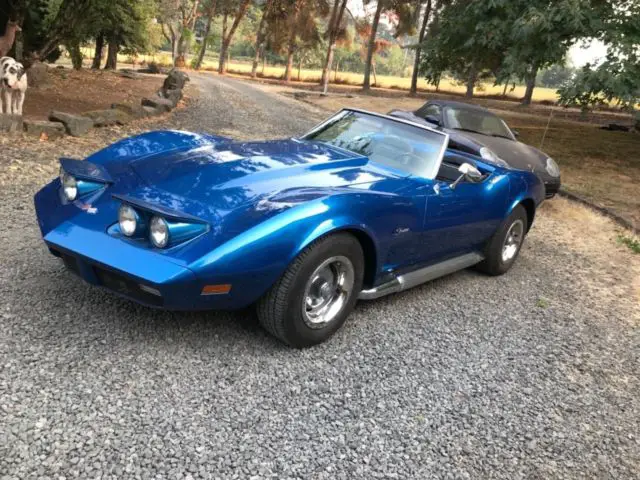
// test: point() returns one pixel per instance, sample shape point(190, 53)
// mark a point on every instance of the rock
point(129, 74)
point(10, 123)
point(38, 127)
point(75, 125)
point(153, 67)
point(38, 74)
point(103, 118)
point(174, 96)
point(151, 111)
point(174, 81)
point(161, 104)
point(134, 111)
point(616, 127)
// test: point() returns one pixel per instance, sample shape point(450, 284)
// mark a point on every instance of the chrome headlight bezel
point(552, 167)
point(129, 220)
point(159, 232)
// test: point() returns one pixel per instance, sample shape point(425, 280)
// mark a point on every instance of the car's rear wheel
point(317, 292)
point(504, 247)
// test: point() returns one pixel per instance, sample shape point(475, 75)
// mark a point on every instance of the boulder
point(102, 118)
point(38, 74)
point(174, 96)
point(38, 127)
point(174, 81)
point(126, 73)
point(134, 111)
point(75, 125)
point(161, 104)
point(10, 123)
point(151, 111)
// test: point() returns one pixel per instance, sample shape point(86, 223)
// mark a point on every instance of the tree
point(402, 11)
point(556, 75)
point(209, 12)
point(335, 30)
point(467, 41)
point(421, 38)
point(542, 31)
point(617, 78)
point(178, 19)
point(261, 35)
point(238, 11)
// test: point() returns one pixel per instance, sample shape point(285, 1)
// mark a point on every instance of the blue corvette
point(362, 206)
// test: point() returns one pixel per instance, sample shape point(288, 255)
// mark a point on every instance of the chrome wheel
point(327, 291)
point(512, 241)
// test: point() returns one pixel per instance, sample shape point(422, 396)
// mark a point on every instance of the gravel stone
point(464, 377)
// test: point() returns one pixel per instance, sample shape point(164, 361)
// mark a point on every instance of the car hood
point(516, 154)
point(209, 180)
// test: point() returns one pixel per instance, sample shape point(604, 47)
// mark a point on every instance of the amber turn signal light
point(216, 289)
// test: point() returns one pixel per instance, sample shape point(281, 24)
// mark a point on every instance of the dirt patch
point(80, 91)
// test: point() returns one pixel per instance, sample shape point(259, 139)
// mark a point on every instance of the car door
point(460, 219)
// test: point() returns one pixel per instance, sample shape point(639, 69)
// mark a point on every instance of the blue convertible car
point(361, 206)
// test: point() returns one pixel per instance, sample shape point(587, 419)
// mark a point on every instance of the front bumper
point(146, 276)
point(123, 269)
point(551, 187)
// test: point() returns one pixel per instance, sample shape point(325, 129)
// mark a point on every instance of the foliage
point(617, 78)
point(508, 38)
point(556, 76)
point(632, 242)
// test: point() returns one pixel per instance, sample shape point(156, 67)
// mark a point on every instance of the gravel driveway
point(530, 375)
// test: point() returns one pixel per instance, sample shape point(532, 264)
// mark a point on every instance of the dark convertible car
point(474, 129)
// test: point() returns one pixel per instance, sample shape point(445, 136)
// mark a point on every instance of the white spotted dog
point(13, 85)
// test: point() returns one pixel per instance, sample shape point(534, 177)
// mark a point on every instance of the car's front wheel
point(317, 292)
point(503, 248)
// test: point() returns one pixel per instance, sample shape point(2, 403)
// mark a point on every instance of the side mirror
point(468, 172)
point(432, 119)
point(516, 133)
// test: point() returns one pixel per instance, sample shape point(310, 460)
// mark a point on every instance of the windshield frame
point(445, 119)
point(339, 114)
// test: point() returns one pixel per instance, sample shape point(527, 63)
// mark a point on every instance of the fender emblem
point(401, 230)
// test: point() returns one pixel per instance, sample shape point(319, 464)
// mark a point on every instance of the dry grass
point(383, 81)
point(613, 273)
point(600, 165)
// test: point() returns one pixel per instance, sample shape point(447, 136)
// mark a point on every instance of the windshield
point(413, 149)
point(476, 121)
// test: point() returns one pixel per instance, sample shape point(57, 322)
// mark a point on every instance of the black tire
point(493, 263)
point(280, 310)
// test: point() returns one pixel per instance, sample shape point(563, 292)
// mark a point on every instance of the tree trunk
point(224, 49)
point(300, 66)
point(97, 56)
point(335, 71)
point(337, 13)
point(207, 30)
point(471, 80)
point(416, 63)
point(112, 55)
point(531, 84)
point(76, 55)
point(260, 37)
point(506, 85)
point(366, 84)
point(291, 50)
